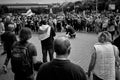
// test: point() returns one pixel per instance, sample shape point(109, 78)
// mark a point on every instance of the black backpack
point(20, 62)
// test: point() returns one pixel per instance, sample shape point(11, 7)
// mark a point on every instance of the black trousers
point(22, 77)
point(7, 57)
point(96, 77)
point(45, 52)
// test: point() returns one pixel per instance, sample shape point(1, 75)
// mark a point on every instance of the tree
point(3, 9)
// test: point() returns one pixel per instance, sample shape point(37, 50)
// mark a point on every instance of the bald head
point(61, 45)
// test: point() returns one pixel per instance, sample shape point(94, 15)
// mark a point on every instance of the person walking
point(103, 59)
point(8, 38)
point(61, 68)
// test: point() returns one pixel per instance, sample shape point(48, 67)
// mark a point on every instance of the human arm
point(36, 63)
point(92, 63)
point(53, 32)
point(117, 58)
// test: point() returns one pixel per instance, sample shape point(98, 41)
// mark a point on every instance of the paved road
point(82, 48)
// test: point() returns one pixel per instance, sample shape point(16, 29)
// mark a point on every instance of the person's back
point(23, 56)
point(105, 62)
point(61, 68)
point(46, 36)
point(48, 42)
point(102, 62)
point(8, 38)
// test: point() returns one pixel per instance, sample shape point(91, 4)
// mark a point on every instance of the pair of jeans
point(46, 51)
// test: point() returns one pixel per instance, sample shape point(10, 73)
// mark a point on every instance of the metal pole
point(96, 6)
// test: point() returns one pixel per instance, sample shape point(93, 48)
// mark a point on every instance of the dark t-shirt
point(8, 38)
point(31, 52)
point(60, 70)
point(31, 49)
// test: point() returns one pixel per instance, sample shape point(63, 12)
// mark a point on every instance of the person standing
point(23, 56)
point(46, 35)
point(102, 63)
point(61, 68)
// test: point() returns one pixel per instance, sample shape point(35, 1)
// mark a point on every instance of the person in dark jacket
point(8, 38)
point(61, 68)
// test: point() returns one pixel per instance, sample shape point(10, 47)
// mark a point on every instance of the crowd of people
point(84, 21)
point(23, 54)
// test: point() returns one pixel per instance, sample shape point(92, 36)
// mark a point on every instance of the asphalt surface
point(82, 48)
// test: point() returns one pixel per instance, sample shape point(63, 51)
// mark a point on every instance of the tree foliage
point(3, 9)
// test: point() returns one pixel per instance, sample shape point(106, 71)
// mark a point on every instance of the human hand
point(4, 67)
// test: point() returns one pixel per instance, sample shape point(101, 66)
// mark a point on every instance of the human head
point(8, 18)
point(11, 27)
point(104, 36)
point(62, 46)
point(43, 22)
point(25, 34)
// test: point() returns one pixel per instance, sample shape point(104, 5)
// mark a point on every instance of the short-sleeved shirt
point(31, 51)
point(31, 48)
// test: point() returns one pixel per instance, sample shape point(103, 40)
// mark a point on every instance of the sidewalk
point(81, 51)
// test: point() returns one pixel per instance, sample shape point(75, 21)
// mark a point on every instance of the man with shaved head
point(61, 68)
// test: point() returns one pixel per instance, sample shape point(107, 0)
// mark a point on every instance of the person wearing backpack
point(23, 56)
